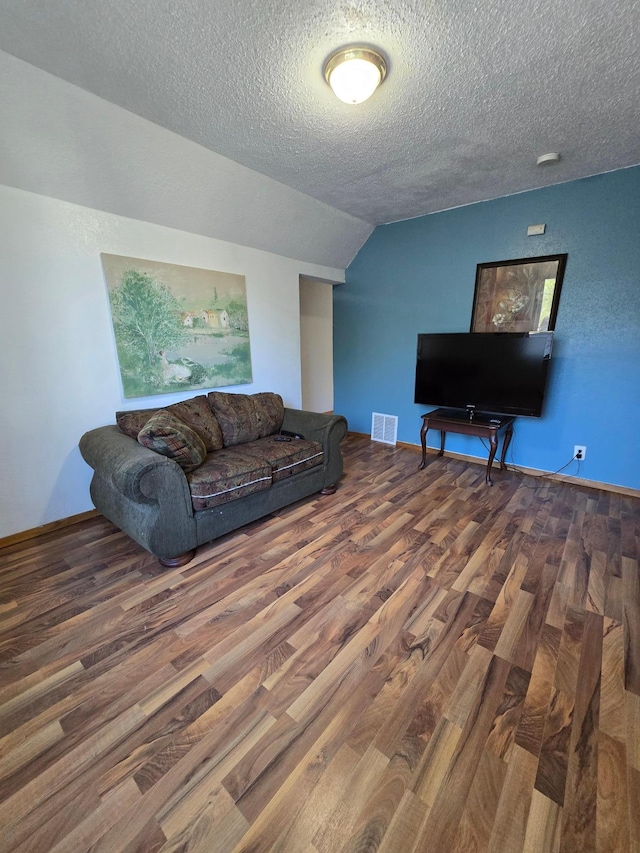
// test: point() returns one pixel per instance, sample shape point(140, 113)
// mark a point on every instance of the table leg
point(442, 436)
point(493, 441)
point(423, 442)
point(505, 444)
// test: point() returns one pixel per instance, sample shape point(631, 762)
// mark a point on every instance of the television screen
point(501, 373)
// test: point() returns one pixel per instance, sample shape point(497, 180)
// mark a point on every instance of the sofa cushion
point(225, 476)
point(132, 422)
point(246, 417)
point(168, 435)
point(269, 412)
point(285, 457)
point(195, 412)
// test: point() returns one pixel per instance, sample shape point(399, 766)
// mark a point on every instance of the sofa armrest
point(137, 473)
point(326, 429)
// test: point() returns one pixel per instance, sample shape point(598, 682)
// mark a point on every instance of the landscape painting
point(177, 328)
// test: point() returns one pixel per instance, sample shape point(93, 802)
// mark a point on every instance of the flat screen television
point(497, 373)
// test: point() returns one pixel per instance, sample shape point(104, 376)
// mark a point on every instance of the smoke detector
point(547, 159)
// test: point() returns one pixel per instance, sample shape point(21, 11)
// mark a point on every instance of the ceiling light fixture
point(547, 159)
point(354, 73)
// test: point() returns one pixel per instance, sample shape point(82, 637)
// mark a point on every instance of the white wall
point(58, 367)
point(316, 344)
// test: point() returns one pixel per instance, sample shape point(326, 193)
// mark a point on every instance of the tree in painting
point(144, 320)
point(238, 316)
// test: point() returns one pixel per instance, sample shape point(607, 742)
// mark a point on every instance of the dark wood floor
point(417, 663)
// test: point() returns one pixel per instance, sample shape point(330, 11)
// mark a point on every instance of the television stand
point(481, 425)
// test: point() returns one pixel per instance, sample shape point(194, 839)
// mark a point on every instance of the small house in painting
point(217, 319)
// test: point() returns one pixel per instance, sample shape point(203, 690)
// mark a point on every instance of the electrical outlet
point(580, 451)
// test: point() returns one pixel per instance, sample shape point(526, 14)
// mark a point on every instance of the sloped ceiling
point(61, 141)
point(475, 91)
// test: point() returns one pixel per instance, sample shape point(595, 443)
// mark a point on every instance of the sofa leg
point(180, 560)
point(329, 490)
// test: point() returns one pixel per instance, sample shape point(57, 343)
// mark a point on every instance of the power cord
point(518, 473)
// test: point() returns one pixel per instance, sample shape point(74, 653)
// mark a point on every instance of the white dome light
point(354, 73)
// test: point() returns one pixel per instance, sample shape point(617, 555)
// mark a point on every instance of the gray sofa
point(165, 507)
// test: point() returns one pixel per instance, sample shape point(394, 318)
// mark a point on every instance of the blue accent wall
point(419, 276)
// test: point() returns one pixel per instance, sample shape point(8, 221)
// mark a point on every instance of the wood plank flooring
point(416, 663)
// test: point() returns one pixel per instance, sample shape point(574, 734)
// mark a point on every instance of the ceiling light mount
point(354, 73)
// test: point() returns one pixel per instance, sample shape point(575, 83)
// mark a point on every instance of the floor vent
point(384, 428)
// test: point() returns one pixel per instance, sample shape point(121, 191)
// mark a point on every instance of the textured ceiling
point(475, 90)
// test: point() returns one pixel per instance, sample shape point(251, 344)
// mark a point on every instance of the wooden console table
point(482, 426)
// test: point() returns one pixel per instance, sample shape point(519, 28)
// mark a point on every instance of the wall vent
point(384, 428)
